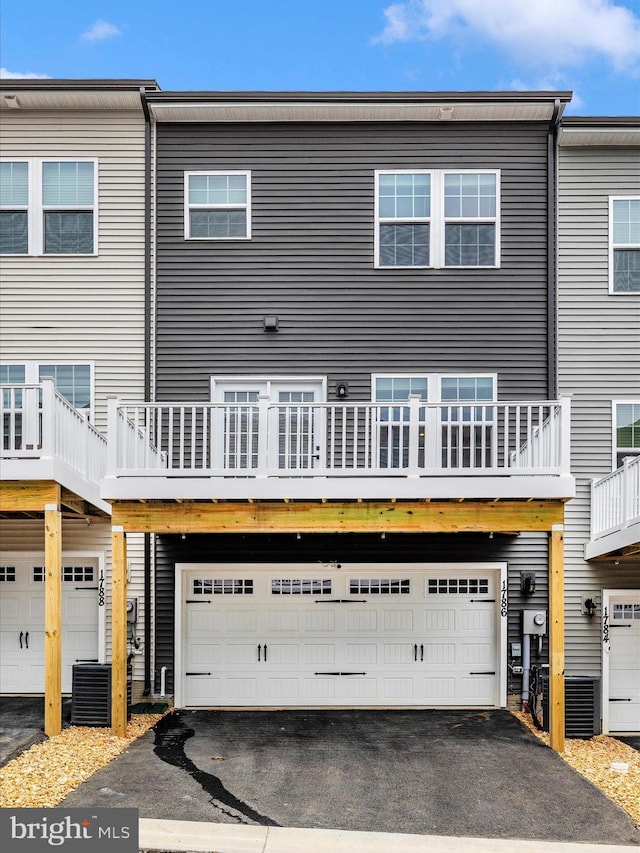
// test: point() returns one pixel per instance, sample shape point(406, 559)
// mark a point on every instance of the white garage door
point(358, 635)
point(22, 623)
point(622, 657)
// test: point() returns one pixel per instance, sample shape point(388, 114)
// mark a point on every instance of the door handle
point(421, 651)
point(259, 651)
point(26, 638)
point(415, 651)
point(21, 636)
point(265, 652)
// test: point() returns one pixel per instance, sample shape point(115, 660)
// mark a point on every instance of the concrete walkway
point(169, 836)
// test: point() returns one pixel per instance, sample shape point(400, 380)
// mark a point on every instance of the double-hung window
point(626, 416)
point(624, 245)
point(48, 207)
point(217, 205)
point(437, 218)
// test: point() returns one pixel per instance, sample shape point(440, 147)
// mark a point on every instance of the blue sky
point(591, 47)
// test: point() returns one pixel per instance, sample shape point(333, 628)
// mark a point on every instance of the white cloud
point(5, 74)
point(101, 30)
point(561, 32)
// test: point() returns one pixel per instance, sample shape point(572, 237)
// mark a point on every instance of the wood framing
point(28, 495)
point(119, 632)
point(53, 620)
point(337, 517)
point(556, 638)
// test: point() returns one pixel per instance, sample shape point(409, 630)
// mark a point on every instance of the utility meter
point(132, 610)
point(534, 622)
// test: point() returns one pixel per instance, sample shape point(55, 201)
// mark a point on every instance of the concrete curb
point(178, 836)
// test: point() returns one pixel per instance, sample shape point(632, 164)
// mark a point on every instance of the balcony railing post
point(414, 433)
point(565, 436)
point(47, 440)
point(627, 494)
point(113, 436)
point(264, 438)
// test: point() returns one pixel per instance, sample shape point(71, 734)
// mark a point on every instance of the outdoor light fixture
point(342, 390)
point(270, 323)
point(527, 583)
point(588, 606)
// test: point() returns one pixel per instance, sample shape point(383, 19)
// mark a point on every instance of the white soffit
point(69, 100)
point(599, 136)
point(340, 112)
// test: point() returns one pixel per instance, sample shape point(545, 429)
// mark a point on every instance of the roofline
point(373, 97)
point(602, 121)
point(26, 84)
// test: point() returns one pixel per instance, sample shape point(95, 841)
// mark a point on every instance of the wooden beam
point(52, 620)
point(556, 638)
point(337, 517)
point(118, 631)
point(28, 495)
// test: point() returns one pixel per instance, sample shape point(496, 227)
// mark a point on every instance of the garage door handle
point(341, 601)
point(197, 673)
point(339, 673)
point(21, 636)
point(483, 601)
point(26, 639)
point(620, 700)
point(482, 673)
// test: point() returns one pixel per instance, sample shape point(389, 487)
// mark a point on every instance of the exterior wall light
point(342, 390)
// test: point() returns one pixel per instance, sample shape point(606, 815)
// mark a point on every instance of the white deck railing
point(266, 439)
point(40, 424)
point(615, 499)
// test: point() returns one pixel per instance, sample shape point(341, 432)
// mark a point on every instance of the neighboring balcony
point(45, 438)
point(346, 451)
point(615, 513)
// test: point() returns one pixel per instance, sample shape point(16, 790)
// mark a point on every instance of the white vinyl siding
point(598, 362)
point(90, 307)
point(438, 218)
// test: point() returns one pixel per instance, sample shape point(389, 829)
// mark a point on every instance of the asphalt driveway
point(430, 772)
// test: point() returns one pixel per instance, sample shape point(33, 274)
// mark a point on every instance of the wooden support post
point(52, 620)
point(556, 638)
point(118, 631)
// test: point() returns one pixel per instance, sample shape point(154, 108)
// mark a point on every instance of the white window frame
point(188, 207)
point(437, 219)
point(434, 386)
point(32, 375)
point(36, 209)
point(613, 246)
point(634, 401)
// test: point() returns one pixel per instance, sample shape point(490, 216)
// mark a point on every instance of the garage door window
point(626, 611)
point(460, 586)
point(222, 586)
point(7, 574)
point(301, 586)
point(380, 586)
point(77, 574)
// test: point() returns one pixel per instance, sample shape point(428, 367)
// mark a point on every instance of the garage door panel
point(283, 654)
point(439, 620)
point(398, 689)
point(204, 653)
point(319, 653)
point(362, 621)
point(320, 620)
point(398, 620)
point(284, 621)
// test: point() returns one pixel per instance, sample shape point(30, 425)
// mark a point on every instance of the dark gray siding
point(525, 552)
point(311, 261)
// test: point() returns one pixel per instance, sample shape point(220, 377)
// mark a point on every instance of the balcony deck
point(615, 514)
point(46, 439)
point(347, 451)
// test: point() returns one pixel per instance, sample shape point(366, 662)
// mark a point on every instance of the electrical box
point(132, 610)
point(516, 650)
point(534, 622)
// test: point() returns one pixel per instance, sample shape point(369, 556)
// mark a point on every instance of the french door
point(287, 435)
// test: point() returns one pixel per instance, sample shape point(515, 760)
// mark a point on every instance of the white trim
point(633, 401)
point(434, 385)
point(241, 381)
point(499, 567)
point(32, 376)
point(607, 595)
point(36, 209)
point(246, 207)
point(437, 219)
point(613, 246)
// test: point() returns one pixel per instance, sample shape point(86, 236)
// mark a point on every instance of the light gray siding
point(83, 308)
point(598, 361)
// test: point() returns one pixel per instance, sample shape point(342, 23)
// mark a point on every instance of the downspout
point(552, 261)
point(147, 371)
